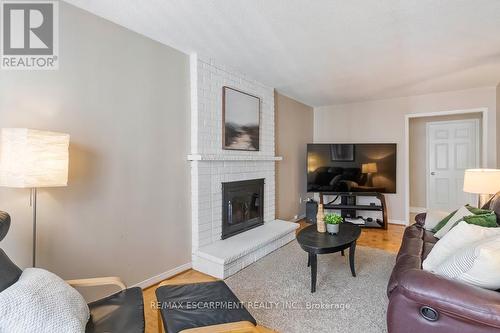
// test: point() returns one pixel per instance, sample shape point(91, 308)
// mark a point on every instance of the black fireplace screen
point(242, 206)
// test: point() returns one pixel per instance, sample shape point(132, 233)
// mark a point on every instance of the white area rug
point(276, 291)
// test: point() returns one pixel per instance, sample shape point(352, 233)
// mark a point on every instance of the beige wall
point(294, 130)
point(418, 154)
point(125, 101)
point(384, 121)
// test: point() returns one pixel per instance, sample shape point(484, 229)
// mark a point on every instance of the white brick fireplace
point(211, 166)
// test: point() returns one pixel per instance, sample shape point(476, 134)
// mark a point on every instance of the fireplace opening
point(242, 206)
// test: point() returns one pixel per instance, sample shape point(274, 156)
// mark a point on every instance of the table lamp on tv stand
point(33, 159)
point(484, 182)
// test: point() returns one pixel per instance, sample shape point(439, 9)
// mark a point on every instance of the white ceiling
point(325, 52)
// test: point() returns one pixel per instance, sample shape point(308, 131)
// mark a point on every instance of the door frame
point(408, 117)
point(427, 143)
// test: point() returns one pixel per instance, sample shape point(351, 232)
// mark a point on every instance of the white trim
point(484, 142)
point(400, 222)
point(163, 276)
point(418, 210)
point(299, 217)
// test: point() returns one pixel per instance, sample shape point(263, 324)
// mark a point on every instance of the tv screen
point(360, 167)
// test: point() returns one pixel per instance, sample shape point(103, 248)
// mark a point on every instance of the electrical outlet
point(300, 200)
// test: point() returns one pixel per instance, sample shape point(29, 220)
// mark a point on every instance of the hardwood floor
point(388, 240)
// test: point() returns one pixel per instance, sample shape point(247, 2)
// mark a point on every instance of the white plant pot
point(332, 228)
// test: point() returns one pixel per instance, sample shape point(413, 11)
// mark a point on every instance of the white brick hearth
point(211, 166)
point(225, 257)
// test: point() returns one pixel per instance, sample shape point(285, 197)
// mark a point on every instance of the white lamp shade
point(482, 181)
point(33, 158)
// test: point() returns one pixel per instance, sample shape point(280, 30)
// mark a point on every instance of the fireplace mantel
point(232, 157)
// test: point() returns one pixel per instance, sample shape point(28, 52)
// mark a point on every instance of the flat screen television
point(356, 167)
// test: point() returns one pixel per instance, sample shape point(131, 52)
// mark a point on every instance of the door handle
point(433, 173)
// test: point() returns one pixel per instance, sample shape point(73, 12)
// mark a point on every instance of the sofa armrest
point(100, 281)
point(420, 219)
point(451, 297)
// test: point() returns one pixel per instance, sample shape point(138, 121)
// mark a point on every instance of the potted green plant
point(332, 222)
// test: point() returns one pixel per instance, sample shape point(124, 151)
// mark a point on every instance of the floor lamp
point(33, 159)
point(484, 182)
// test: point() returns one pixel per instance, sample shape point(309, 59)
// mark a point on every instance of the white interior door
point(452, 147)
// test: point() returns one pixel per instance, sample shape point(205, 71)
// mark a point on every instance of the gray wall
point(418, 154)
point(294, 130)
point(125, 101)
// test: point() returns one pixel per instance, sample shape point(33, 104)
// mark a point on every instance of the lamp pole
point(33, 206)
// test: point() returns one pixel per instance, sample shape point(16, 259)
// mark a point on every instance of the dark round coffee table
point(314, 243)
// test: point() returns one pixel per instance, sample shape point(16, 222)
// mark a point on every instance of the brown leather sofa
point(420, 301)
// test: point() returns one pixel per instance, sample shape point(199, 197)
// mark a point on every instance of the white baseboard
point(401, 222)
point(300, 217)
point(162, 276)
point(418, 210)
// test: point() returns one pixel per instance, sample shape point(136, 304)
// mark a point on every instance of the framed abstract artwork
point(240, 120)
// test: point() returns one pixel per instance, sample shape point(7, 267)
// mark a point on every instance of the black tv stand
point(348, 205)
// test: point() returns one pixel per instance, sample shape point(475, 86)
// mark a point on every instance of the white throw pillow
point(458, 216)
point(478, 264)
point(458, 238)
point(433, 217)
point(41, 302)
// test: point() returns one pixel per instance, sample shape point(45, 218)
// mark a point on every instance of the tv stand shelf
point(356, 207)
point(348, 205)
